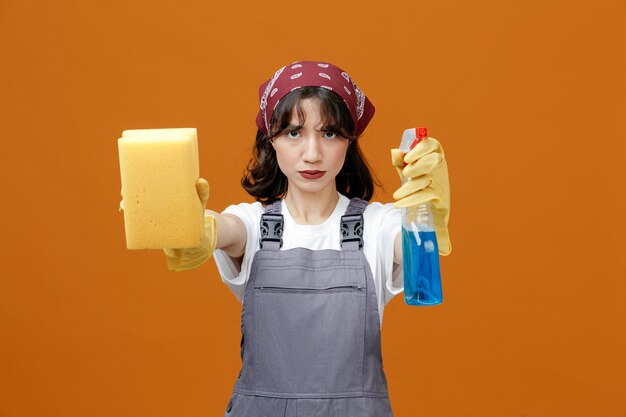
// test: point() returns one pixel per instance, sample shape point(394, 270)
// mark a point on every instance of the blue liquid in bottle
point(422, 280)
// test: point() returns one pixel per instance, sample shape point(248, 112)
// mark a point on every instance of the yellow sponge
point(159, 169)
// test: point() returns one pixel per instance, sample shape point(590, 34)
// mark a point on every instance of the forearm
point(231, 233)
point(397, 249)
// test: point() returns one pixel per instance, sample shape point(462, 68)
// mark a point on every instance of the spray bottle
point(420, 252)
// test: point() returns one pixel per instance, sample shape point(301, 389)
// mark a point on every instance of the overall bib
point(310, 327)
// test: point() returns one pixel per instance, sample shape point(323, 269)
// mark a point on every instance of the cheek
point(340, 158)
point(283, 160)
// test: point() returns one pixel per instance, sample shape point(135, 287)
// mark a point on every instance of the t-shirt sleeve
point(390, 226)
point(228, 269)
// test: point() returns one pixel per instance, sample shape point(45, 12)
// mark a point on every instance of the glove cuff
point(210, 229)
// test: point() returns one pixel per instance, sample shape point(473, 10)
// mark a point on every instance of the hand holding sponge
point(189, 258)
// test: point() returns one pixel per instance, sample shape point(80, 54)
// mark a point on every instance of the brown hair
point(264, 180)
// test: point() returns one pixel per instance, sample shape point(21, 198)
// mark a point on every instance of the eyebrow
point(298, 127)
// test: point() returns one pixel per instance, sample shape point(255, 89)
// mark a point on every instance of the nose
point(312, 149)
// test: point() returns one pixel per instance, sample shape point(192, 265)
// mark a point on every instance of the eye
point(293, 134)
point(329, 134)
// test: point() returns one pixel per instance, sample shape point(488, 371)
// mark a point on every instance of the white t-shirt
point(382, 224)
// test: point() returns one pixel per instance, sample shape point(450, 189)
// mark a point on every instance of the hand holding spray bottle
point(420, 253)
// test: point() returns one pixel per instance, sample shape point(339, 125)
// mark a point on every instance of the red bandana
point(312, 73)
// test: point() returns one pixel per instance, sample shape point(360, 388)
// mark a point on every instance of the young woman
point(315, 265)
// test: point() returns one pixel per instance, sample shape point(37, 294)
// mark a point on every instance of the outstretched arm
point(231, 233)
point(397, 249)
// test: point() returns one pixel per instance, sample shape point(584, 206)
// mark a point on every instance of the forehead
point(310, 109)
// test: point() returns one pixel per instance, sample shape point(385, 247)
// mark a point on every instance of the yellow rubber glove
point(426, 171)
point(190, 258)
point(121, 209)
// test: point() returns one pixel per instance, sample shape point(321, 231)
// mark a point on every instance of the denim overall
point(310, 328)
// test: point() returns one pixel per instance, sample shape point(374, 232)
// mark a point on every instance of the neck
point(311, 208)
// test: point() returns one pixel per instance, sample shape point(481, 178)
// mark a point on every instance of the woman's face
point(309, 157)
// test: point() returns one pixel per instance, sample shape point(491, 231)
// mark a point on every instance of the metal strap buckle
point(352, 229)
point(271, 229)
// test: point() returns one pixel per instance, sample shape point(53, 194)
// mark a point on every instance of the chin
point(311, 187)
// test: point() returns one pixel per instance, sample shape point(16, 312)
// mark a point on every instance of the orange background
point(527, 99)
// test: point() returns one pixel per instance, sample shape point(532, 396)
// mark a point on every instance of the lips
point(311, 175)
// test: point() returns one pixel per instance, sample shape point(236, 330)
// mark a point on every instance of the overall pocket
point(309, 340)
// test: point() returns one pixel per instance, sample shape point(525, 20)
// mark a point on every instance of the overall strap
point(272, 227)
point(352, 225)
